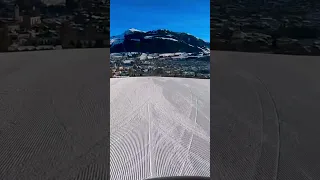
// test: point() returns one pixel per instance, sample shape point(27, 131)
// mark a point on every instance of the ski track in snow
point(159, 126)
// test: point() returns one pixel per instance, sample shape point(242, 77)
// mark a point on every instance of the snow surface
point(117, 39)
point(115, 54)
point(167, 54)
point(148, 37)
point(143, 56)
point(132, 30)
point(171, 39)
point(159, 127)
point(205, 50)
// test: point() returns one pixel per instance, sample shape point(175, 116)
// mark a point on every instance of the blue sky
point(190, 16)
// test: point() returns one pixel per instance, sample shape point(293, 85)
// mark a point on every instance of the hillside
point(157, 41)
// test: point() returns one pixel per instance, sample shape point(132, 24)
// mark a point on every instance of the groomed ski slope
point(159, 126)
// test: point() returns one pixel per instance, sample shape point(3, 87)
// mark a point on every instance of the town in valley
point(27, 25)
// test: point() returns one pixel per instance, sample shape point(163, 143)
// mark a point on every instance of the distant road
point(54, 115)
point(265, 116)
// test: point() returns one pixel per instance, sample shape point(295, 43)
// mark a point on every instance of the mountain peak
point(132, 30)
point(160, 40)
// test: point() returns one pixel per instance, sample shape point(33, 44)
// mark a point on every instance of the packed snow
point(159, 127)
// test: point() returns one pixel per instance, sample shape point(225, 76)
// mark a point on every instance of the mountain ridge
point(157, 41)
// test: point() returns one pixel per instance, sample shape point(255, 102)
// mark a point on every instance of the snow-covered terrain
point(114, 40)
point(132, 30)
point(159, 126)
point(171, 39)
point(117, 39)
point(157, 41)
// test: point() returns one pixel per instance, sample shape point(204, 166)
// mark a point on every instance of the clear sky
point(190, 16)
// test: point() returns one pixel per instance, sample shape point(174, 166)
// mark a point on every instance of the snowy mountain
point(157, 41)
